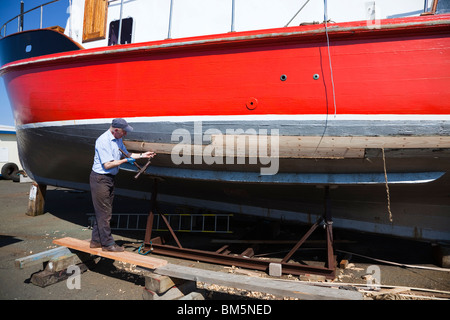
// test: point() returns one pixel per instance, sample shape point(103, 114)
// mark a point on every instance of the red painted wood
point(404, 70)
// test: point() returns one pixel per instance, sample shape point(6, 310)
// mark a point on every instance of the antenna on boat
point(233, 15)
point(119, 37)
point(21, 17)
point(169, 32)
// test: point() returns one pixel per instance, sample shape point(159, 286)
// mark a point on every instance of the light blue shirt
point(107, 149)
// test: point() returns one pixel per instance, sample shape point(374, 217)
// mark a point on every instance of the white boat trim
point(233, 118)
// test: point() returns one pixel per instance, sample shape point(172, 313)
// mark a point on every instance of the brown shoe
point(95, 245)
point(113, 248)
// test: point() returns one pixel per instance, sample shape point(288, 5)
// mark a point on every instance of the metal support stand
point(153, 208)
point(223, 256)
point(329, 232)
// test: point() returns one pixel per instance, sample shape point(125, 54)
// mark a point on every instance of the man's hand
point(148, 154)
point(131, 160)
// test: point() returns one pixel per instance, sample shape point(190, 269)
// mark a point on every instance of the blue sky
point(53, 14)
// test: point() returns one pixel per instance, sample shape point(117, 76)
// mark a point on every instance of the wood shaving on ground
point(240, 292)
point(128, 267)
point(236, 270)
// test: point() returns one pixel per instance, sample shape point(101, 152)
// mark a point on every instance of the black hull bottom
point(62, 156)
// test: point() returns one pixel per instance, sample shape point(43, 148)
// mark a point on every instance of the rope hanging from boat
point(325, 17)
point(387, 187)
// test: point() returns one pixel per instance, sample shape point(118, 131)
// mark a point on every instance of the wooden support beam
point(158, 287)
point(36, 199)
point(160, 284)
point(45, 278)
point(266, 285)
point(174, 293)
point(57, 264)
point(41, 257)
point(300, 146)
point(195, 295)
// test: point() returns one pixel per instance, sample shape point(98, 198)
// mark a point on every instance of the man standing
point(107, 160)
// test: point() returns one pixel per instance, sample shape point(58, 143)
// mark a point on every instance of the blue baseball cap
point(121, 124)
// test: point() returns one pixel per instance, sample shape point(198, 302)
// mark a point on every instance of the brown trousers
point(102, 191)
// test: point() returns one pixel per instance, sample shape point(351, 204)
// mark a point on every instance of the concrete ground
point(22, 235)
point(66, 215)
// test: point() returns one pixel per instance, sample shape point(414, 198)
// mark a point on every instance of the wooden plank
point(278, 288)
point(296, 146)
point(41, 257)
point(284, 151)
point(36, 199)
point(57, 264)
point(128, 257)
point(343, 142)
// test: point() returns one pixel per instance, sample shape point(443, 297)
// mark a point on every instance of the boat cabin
point(99, 23)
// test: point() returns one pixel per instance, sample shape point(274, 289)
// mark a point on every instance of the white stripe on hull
point(267, 117)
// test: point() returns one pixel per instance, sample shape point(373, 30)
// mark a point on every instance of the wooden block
point(63, 262)
point(129, 257)
point(149, 294)
point(45, 278)
point(173, 293)
point(36, 200)
point(276, 287)
point(344, 262)
point(441, 254)
point(160, 284)
point(193, 296)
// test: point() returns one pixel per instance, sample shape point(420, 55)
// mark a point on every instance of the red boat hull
point(402, 70)
point(335, 107)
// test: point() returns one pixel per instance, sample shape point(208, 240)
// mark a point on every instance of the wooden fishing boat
point(250, 121)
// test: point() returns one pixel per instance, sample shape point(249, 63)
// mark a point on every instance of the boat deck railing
point(20, 18)
point(428, 9)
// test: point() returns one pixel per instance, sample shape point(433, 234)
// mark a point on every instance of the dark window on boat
point(125, 36)
point(443, 6)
